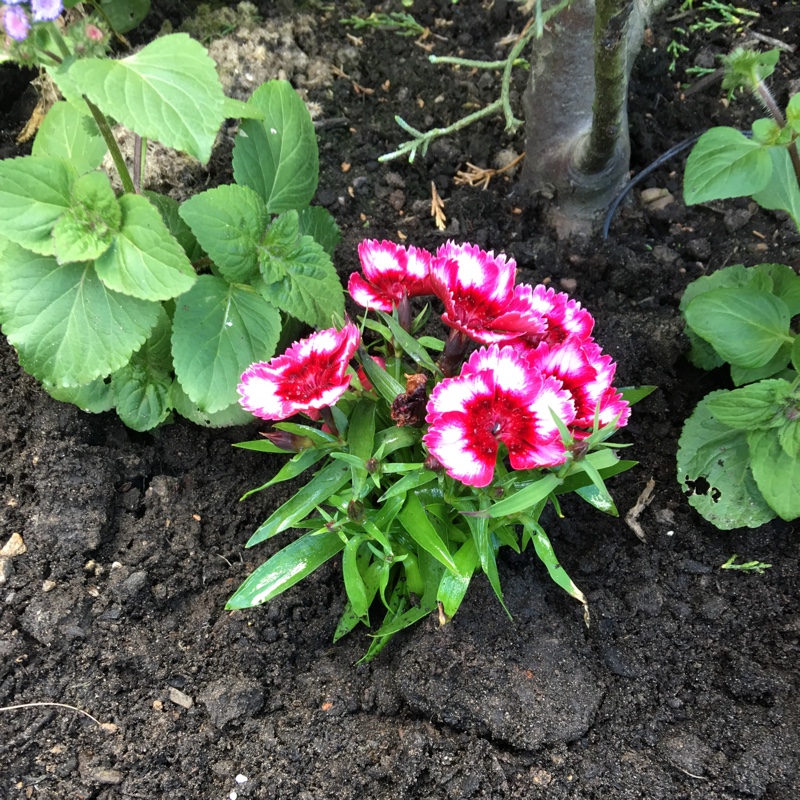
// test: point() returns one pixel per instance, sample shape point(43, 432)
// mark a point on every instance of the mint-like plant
point(725, 163)
point(739, 453)
point(432, 454)
point(133, 301)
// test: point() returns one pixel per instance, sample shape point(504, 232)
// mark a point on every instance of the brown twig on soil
point(480, 176)
point(644, 500)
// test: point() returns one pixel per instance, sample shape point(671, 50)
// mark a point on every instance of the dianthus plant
point(434, 453)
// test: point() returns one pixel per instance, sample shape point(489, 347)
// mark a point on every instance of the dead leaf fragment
point(437, 209)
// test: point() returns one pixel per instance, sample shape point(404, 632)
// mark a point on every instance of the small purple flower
point(16, 22)
point(46, 10)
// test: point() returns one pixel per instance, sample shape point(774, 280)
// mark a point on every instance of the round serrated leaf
point(233, 414)
point(145, 260)
point(229, 222)
point(714, 470)
point(68, 328)
point(69, 134)
point(219, 329)
point(745, 327)
point(168, 91)
point(777, 473)
point(34, 193)
point(94, 397)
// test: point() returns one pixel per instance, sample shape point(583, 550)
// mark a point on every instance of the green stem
point(113, 147)
point(59, 40)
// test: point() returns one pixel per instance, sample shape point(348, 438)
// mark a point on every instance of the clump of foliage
point(739, 453)
point(432, 455)
point(135, 302)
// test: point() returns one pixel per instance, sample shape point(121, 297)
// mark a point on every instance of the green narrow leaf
point(487, 556)
point(725, 163)
point(408, 483)
point(328, 480)
point(219, 329)
point(633, 394)
point(546, 554)
point(386, 386)
point(67, 327)
point(297, 465)
point(409, 344)
point(168, 91)
point(746, 327)
point(87, 229)
point(525, 498)
point(453, 586)
point(278, 156)
point(714, 470)
point(354, 583)
point(777, 473)
point(72, 135)
point(34, 193)
point(349, 619)
point(286, 568)
point(416, 523)
point(145, 261)
point(229, 222)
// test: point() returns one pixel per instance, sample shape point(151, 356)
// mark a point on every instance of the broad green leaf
point(714, 470)
point(453, 586)
point(286, 568)
point(142, 387)
point(354, 583)
point(785, 284)
point(145, 261)
point(725, 163)
point(416, 523)
point(298, 275)
point(278, 156)
point(219, 329)
point(750, 407)
point(34, 193)
point(168, 91)
point(525, 498)
point(789, 437)
point(776, 472)
point(541, 543)
point(170, 215)
point(87, 229)
point(782, 192)
point(746, 328)
point(702, 354)
point(229, 222)
point(237, 109)
point(793, 112)
point(72, 135)
point(318, 223)
point(777, 364)
point(328, 480)
point(233, 414)
point(67, 327)
point(767, 132)
point(94, 397)
point(125, 15)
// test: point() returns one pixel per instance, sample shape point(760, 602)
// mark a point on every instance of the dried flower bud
point(290, 442)
point(409, 409)
point(372, 465)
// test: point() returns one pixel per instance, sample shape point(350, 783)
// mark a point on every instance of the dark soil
point(684, 685)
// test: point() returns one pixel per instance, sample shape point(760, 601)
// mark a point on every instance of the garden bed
point(685, 683)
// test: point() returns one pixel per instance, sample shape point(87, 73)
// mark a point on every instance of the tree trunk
point(578, 149)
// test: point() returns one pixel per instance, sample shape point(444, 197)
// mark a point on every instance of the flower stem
point(113, 147)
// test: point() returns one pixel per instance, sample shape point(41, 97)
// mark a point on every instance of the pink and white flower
point(309, 376)
point(587, 375)
point(477, 289)
point(498, 398)
point(391, 272)
point(562, 316)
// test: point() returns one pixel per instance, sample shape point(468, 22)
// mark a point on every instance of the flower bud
point(290, 442)
point(355, 511)
point(372, 465)
point(93, 33)
point(433, 463)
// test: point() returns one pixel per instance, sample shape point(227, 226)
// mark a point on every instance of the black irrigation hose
point(673, 151)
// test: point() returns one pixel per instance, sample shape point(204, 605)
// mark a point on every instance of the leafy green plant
point(400, 22)
point(739, 453)
point(757, 567)
point(419, 490)
point(133, 301)
point(725, 163)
